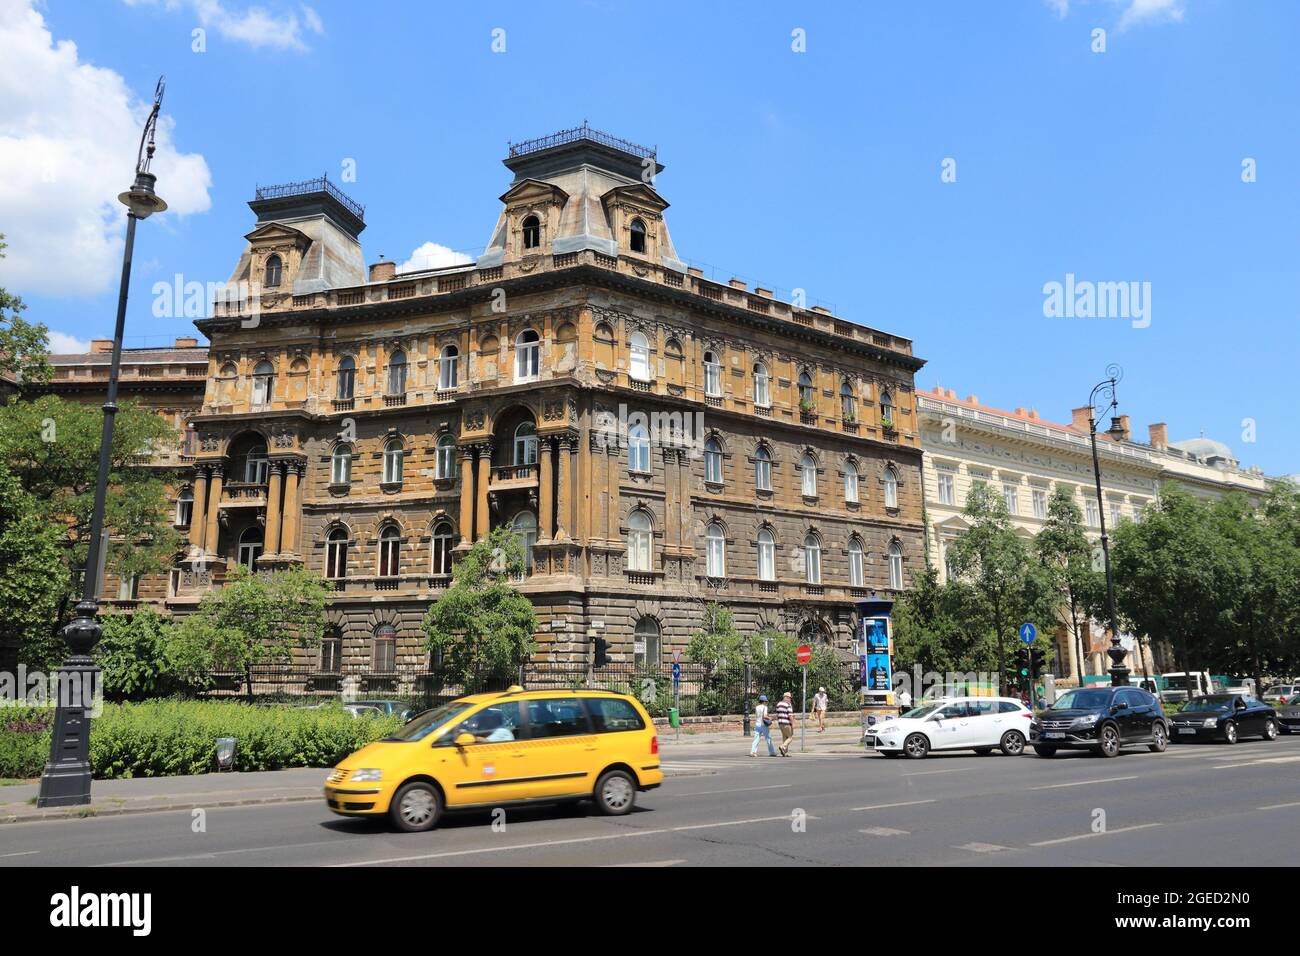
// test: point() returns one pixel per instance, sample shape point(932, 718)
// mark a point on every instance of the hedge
point(177, 737)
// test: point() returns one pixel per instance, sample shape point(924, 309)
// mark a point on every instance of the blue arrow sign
point(1028, 633)
point(677, 672)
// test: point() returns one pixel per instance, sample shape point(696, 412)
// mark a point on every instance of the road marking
point(982, 847)
point(24, 853)
point(213, 854)
point(1084, 836)
point(1082, 783)
point(926, 773)
point(884, 831)
point(733, 823)
point(705, 793)
point(887, 806)
point(496, 849)
point(1279, 806)
point(1255, 762)
point(648, 863)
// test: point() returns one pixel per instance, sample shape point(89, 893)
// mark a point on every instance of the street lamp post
point(66, 779)
point(1116, 652)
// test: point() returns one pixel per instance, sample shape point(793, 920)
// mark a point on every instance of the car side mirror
point(1121, 705)
point(1241, 705)
point(464, 739)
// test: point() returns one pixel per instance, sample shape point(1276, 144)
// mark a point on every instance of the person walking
point(762, 728)
point(785, 720)
point(904, 702)
point(820, 703)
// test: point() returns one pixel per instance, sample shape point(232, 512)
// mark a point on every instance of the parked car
point(391, 708)
point(1226, 717)
point(1281, 693)
point(1288, 716)
point(1101, 719)
point(500, 749)
point(1184, 685)
point(355, 709)
point(955, 723)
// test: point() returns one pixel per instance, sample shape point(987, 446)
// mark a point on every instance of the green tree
point(32, 578)
point(1064, 550)
point(930, 630)
point(481, 625)
point(24, 346)
point(717, 646)
point(254, 619)
point(133, 655)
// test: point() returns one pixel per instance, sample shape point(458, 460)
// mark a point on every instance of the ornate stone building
point(657, 439)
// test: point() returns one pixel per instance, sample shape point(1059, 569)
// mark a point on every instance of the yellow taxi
point(501, 749)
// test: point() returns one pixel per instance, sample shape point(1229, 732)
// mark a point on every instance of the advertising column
point(875, 660)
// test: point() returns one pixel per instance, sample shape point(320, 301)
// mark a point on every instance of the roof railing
point(308, 186)
point(580, 133)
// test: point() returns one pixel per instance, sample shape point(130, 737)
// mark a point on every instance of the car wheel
point(615, 793)
point(1159, 739)
point(916, 746)
point(1013, 743)
point(1270, 729)
point(1108, 741)
point(1230, 732)
point(1044, 751)
point(983, 751)
point(415, 807)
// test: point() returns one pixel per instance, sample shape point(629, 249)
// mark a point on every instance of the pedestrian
point(820, 703)
point(785, 720)
point(904, 702)
point(762, 728)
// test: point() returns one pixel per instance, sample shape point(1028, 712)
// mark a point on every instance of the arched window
point(640, 540)
point(347, 376)
point(808, 476)
point(257, 470)
point(525, 446)
point(645, 647)
point(848, 405)
point(891, 488)
point(712, 374)
point(390, 552)
point(273, 269)
point(394, 453)
point(336, 554)
point(525, 528)
point(762, 469)
point(856, 572)
point(184, 508)
point(766, 555)
point(532, 232)
point(812, 558)
point(807, 400)
point(886, 408)
point(263, 383)
point(250, 546)
point(397, 373)
point(715, 551)
point(383, 656)
point(896, 566)
point(638, 448)
point(638, 236)
point(762, 386)
point(639, 364)
point(442, 545)
point(528, 356)
point(341, 465)
point(445, 466)
point(448, 367)
point(851, 482)
point(713, 461)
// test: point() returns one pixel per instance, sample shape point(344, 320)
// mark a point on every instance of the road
point(1195, 804)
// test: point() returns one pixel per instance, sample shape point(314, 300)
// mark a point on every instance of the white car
point(954, 723)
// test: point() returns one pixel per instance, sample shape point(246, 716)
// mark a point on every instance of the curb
point(92, 811)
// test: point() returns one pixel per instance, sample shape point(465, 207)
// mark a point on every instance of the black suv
point(1103, 719)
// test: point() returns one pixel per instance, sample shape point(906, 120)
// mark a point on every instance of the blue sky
point(818, 170)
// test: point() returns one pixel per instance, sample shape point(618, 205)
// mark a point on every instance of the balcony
point(511, 477)
point(392, 401)
point(245, 494)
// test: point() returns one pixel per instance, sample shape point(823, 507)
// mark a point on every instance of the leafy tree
point(1064, 550)
point(717, 646)
point(32, 578)
point(133, 655)
point(24, 346)
point(254, 619)
point(481, 625)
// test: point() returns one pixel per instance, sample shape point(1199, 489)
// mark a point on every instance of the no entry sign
point(804, 655)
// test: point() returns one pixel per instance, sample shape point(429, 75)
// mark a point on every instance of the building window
point(341, 465)
point(1114, 514)
point(448, 368)
point(715, 551)
point(762, 386)
point(525, 445)
point(947, 488)
point(1040, 503)
point(712, 374)
point(445, 464)
point(528, 356)
point(532, 232)
point(812, 558)
point(807, 400)
point(390, 552)
point(638, 236)
point(336, 554)
point(383, 658)
point(808, 476)
point(848, 404)
point(639, 368)
point(185, 508)
point(856, 571)
point(1091, 511)
point(347, 377)
point(713, 461)
point(891, 488)
point(394, 453)
point(645, 643)
point(331, 651)
point(638, 449)
point(257, 470)
point(397, 374)
point(128, 588)
point(896, 566)
point(442, 545)
point(525, 528)
point(250, 547)
point(1011, 499)
point(274, 267)
point(763, 469)
point(263, 383)
point(886, 409)
point(766, 556)
point(850, 483)
point(639, 539)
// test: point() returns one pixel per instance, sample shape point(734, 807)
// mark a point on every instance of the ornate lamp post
point(66, 780)
point(1105, 390)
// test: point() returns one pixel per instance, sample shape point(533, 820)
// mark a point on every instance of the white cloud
point(64, 344)
point(1062, 7)
point(1151, 11)
point(254, 26)
point(69, 132)
point(433, 256)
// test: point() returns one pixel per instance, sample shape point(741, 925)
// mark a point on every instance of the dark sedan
point(1288, 717)
point(1225, 717)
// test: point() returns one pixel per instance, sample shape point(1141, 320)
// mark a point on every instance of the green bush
point(177, 737)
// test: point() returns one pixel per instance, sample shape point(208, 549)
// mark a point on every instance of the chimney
point(100, 346)
point(692, 270)
point(1119, 428)
point(973, 399)
point(1020, 412)
point(1159, 434)
point(187, 343)
point(383, 271)
point(1079, 417)
point(738, 284)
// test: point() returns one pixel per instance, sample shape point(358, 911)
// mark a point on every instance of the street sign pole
point(803, 723)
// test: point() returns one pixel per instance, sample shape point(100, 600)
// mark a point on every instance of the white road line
point(1082, 783)
point(24, 853)
point(735, 823)
point(706, 793)
point(982, 847)
point(648, 863)
point(1257, 762)
point(884, 831)
point(1279, 806)
point(926, 773)
point(1085, 836)
point(886, 806)
point(497, 849)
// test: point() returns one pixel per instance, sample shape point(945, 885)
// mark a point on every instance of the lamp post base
point(66, 779)
point(1118, 670)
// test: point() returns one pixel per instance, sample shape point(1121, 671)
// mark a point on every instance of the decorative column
point(481, 525)
point(545, 504)
point(271, 541)
point(292, 508)
point(198, 515)
point(466, 495)
point(211, 540)
point(564, 509)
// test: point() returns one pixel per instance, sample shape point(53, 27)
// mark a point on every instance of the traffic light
point(602, 652)
point(1023, 662)
point(1037, 661)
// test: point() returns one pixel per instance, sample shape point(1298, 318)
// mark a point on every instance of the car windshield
point(925, 710)
point(1215, 703)
point(431, 720)
point(1278, 691)
point(1083, 699)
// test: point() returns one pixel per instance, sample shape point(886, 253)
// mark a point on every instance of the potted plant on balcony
point(887, 424)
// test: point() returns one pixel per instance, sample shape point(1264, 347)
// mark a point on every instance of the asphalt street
point(1195, 804)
